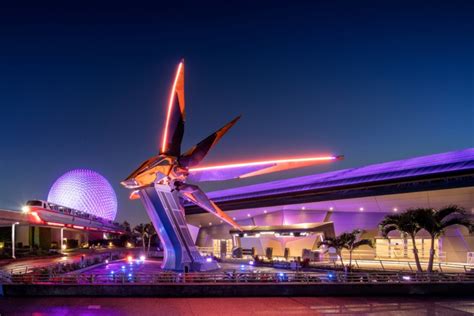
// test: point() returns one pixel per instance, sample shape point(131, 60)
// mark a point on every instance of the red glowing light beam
point(36, 217)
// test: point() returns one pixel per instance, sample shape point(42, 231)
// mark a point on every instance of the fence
point(396, 265)
point(236, 278)
point(66, 264)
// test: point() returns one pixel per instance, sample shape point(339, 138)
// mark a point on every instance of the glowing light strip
point(78, 227)
point(170, 106)
point(55, 224)
point(257, 163)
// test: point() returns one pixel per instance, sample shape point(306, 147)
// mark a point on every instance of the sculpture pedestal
point(167, 215)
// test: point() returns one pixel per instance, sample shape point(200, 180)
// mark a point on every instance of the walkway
point(405, 306)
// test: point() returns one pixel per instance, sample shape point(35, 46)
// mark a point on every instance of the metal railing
point(237, 278)
point(396, 265)
point(89, 260)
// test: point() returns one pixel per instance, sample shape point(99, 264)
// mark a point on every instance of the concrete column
point(13, 239)
point(62, 240)
point(235, 241)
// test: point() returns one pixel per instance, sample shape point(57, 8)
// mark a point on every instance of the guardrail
point(236, 278)
point(387, 265)
point(89, 259)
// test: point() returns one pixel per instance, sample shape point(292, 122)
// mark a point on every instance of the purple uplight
point(85, 190)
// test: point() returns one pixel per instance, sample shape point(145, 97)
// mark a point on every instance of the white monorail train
point(57, 215)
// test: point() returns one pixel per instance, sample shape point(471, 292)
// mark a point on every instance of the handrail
point(238, 278)
point(399, 264)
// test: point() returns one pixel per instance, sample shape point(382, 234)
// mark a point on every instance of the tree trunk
point(149, 242)
point(415, 253)
point(339, 253)
point(143, 243)
point(350, 259)
point(432, 253)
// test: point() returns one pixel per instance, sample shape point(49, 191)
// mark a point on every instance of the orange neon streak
point(256, 163)
point(170, 106)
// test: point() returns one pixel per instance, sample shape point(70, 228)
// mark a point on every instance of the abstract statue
point(160, 182)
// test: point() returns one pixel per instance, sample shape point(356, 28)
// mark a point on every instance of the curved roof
point(456, 161)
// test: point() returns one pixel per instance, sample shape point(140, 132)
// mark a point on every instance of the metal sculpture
point(161, 182)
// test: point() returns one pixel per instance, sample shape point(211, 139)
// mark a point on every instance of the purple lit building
point(349, 199)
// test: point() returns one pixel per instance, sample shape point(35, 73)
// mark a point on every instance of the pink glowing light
point(55, 224)
point(267, 162)
point(170, 106)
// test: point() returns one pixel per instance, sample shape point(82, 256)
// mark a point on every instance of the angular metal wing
point(175, 116)
point(195, 195)
point(249, 169)
point(197, 153)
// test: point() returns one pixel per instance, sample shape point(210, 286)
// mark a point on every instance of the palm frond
point(363, 242)
point(448, 211)
point(460, 221)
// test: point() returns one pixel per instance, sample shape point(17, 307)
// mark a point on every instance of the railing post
point(440, 269)
point(409, 265)
point(383, 268)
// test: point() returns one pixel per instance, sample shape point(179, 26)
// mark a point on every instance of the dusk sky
point(87, 86)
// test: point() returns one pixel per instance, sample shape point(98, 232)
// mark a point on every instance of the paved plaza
point(404, 306)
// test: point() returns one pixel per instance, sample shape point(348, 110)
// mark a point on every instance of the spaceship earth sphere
point(85, 190)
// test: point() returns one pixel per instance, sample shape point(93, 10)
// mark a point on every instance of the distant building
point(351, 198)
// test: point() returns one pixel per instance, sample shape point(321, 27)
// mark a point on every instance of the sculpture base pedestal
point(165, 211)
point(204, 266)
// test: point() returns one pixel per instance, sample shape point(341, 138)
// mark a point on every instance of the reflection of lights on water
point(106, 260)
point(123, 267)
point(242, 267)
point(129, 274)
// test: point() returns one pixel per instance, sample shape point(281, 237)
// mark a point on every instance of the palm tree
point(349, 241)
point(141, 232)
point(150, 229)
point(435, 222)
point(354, 241)
point(337, 243)
point(126, 226)
point(127, 236)
point(405, 223)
